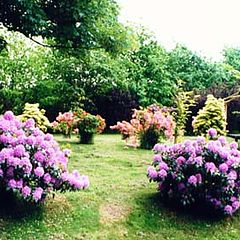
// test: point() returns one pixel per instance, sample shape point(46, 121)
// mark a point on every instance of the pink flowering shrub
point(148, 126)
point(199, 172)
point(125, 128)
point(64, 123)
point(32, 163)
point(79, 122)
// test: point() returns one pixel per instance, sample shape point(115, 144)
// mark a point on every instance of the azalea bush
point(148, 125)
point(199, 172)
point(101, 124)
point(31, 163)
point(64, 123)
point(125, 128)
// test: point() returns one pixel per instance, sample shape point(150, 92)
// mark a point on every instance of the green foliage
point(33, 111)
point(183, 101)
point(100, 73)
point(196, 71)
point(67, 24)
point(232, 57)
point(149, 138)
point(56, 80)
point(213, 115)
point(98, 79)
point(88, 124)
point(56, 96)
point(3, 43)
point(22, 64)
point(148, 72)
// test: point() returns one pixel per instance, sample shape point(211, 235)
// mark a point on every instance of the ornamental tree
point(213, 115)
point(33, 111)
point(183, 102)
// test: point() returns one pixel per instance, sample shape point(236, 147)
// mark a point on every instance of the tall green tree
point(148, 71)
point(196, 71)
point(232, 57)
point(84, 24)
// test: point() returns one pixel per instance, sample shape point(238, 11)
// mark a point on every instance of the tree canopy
point(121, 67)
point(82, 24)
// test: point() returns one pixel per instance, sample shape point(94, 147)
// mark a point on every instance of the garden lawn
point(120, 203)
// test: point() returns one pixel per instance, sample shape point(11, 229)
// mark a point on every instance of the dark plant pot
point(86, 138)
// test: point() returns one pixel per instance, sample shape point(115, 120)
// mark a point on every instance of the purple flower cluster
point(199, 171)
point(32, 163)
point(212, 132)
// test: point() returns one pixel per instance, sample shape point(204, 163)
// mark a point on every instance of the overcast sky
point(205, 26)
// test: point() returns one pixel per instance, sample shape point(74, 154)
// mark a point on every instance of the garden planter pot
point(86, 138)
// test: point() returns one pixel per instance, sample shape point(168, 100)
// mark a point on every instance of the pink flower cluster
point(199, 172)
point(64, 123)
point(154, 117)
point(151, 118)
point(77, 122)
point(125, 128)
point(32, 163)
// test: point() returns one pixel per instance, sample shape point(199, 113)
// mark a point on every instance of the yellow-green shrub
point(33, 111)
point(212, 115)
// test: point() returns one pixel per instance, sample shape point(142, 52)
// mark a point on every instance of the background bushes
point(112, 83)
point(219, 91)
point(116, 105)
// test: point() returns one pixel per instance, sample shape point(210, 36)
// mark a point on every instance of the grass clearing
point(120, 203)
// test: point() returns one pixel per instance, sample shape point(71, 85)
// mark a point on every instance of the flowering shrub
point(148, 125)
point(33, 111)
point(32, 163)
point(101, 125)
point(78, 122)
point(199, 172)
point(125, 128)
point(64, 123)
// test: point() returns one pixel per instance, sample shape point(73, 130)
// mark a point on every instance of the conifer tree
point(212, 115)
point(33, 111)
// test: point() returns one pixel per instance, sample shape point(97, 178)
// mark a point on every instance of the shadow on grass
point(15, 209)
point(152, 214)
point(196, 212)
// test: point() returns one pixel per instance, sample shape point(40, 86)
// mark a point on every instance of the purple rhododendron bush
point(199, 172)
point(32, 163)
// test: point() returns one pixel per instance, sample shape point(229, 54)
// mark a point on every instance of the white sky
point(204, 26)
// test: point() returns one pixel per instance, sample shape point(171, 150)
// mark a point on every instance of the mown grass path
point(120, 203)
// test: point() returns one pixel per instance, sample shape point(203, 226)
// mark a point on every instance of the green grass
point(120, 203)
